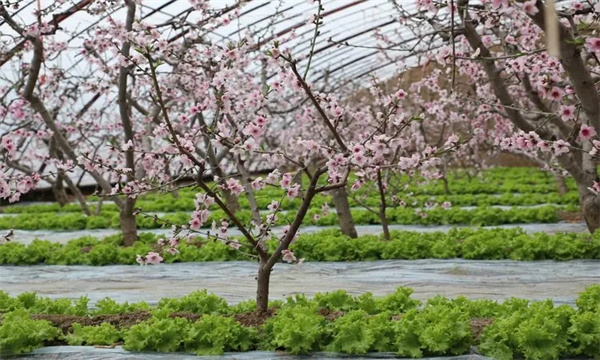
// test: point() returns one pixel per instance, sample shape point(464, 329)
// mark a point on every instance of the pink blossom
point(334, 177)
point(498, 3)
point(25, 185)
point(452, 140)
point(195, 110)
point(444, 55)
point(556, 94)
point(288, 256)
point(337, 111)
point(184, 118)
point(271, 218)
point(273, 206)
point(359, 159)
point(234, 244)
point(560, 147)
point(253, 130)
point(141, 260)
point(261, 121)
point(596, 148)
point(358, 148)
point(250, 144)
point(356, 185)
point(153, 258)
point(199, 218)
point(223, 228)
point(286, 180)
point(530, 8)
point(4, 189)
point(486, 40)
point(293, 191)
point(592, 44)
point(401, 94)
point(258, 184)
point(285, 230)
point(277, 86)
point(544, 146)
point(567, 112)
point(407, 163)
point(577, 6)
point(174, 242)
point(203, 200)
point(195, 224)
point(587, 132)
point(446, 204)
point(128, 146)
point(8, 144)
point(234, 186)
point(273, 177)
point(595, 188)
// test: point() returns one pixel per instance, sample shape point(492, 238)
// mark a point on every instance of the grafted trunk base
point(262, 289)
point(128, 223)
point(342, 208)
point(590, 207)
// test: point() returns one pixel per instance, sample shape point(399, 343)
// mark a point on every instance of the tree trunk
point(446, 187)
point(342, 207)
point(561, 184)
point(232, 201)
point(382, 207)
point(384, 223)
point(590, 207)
point(249, 192)
point(78, 195)
point(60, 195)
point(262, 290)
point(99, 206)
point(128, 223)
point(268, 262)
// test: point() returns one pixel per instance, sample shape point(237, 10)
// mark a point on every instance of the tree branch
point(491, 70)
point(578, 73)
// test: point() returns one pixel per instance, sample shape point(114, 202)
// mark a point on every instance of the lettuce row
point(335, 321)
point(326, 245)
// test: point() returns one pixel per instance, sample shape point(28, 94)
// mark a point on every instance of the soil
point(126, 320)
point(55, 342)
point(570, 217)
point(255, 318)
point(477, 326)
point(330, 314)
point(65, 322)
point(186, 315)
